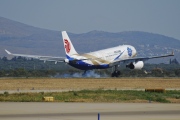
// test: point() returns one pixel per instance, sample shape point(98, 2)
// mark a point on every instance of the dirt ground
point(87, 83)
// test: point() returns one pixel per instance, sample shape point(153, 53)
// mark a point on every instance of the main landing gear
point(115, 72)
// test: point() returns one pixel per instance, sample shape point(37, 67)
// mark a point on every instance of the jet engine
point(135, 65)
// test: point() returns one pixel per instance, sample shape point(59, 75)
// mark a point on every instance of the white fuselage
point(102, 58)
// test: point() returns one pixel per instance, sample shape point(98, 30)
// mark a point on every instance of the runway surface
point(88, 111)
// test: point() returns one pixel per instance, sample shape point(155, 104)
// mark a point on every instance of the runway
point(88, 111)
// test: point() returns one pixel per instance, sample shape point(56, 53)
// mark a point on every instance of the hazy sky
point(80, 16)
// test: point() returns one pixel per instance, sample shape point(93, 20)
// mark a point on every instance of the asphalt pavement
point(88, 111)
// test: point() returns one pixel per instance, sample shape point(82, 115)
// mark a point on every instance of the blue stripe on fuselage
point(119, 56)
point(85, 66)
point(69, 58)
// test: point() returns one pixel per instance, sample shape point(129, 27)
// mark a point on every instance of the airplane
point(102, 59)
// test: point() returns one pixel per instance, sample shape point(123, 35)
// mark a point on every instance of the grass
point(87, 83)
point(96, 96)
point(92, 90)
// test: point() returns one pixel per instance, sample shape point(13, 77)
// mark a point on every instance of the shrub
point(6, 93)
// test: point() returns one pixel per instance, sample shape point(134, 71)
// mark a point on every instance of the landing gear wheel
point(116, 73)
point(113, 75)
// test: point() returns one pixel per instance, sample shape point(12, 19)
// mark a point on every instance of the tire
point(113, 74)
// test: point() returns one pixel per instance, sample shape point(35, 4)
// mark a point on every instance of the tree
point(177, 72)
point(4, 59)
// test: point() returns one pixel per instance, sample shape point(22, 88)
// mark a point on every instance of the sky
point(81, 16)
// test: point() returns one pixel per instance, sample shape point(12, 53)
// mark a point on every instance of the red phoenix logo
point(67, 45)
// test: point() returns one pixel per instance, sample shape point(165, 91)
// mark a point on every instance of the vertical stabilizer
point(68, 46)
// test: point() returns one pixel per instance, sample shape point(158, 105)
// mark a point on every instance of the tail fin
point(68, 46)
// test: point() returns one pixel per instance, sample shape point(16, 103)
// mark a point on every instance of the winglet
point(8, 52)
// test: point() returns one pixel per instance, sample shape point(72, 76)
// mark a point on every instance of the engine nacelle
point(136, 65)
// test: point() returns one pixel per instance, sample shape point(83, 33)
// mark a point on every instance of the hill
point(22, 38)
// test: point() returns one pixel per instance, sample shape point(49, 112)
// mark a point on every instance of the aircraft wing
point(44, 58)
point(135, 59)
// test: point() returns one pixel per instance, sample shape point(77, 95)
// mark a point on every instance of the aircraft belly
point(87, 66)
